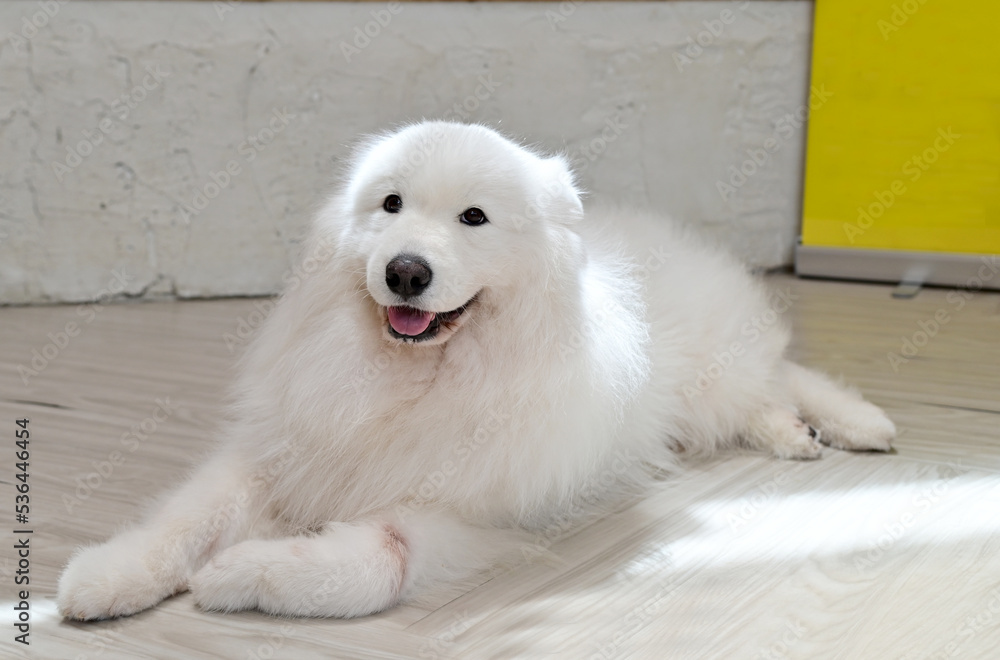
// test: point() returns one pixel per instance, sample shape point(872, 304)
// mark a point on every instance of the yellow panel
point(905, 154)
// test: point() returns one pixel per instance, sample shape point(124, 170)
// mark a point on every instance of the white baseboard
point(971, 271)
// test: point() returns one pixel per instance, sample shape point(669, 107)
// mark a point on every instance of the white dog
point(469, 356)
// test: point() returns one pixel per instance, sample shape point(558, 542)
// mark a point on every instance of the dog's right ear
point(558, 197)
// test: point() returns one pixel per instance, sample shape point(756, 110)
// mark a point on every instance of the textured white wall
point(116, 117)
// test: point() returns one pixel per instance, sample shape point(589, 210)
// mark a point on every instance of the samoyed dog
point(469, 355)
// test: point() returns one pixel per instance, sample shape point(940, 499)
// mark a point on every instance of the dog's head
point(444, 216)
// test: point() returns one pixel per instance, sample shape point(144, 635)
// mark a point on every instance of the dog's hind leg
point(844, 418)
point(348, 569)
point(779, 429)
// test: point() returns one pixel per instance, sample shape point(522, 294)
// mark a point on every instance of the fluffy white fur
point(362, 470)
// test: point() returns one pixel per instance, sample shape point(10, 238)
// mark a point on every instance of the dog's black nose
point(408, 275)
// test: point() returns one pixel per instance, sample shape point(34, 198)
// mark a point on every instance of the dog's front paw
point(229, 582)
point(107, 581)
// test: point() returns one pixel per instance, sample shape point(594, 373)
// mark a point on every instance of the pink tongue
point(408, 321)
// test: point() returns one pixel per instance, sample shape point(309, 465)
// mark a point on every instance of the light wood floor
point(853, 556)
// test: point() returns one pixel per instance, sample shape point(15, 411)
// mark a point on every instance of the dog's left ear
point(559, 197)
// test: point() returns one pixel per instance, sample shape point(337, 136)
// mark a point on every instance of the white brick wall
point(116, 116)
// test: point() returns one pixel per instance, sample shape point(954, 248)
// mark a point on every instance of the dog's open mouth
point(413, 325)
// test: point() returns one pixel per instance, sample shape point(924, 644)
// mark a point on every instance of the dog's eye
point(393, 204)
point(473, 216)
